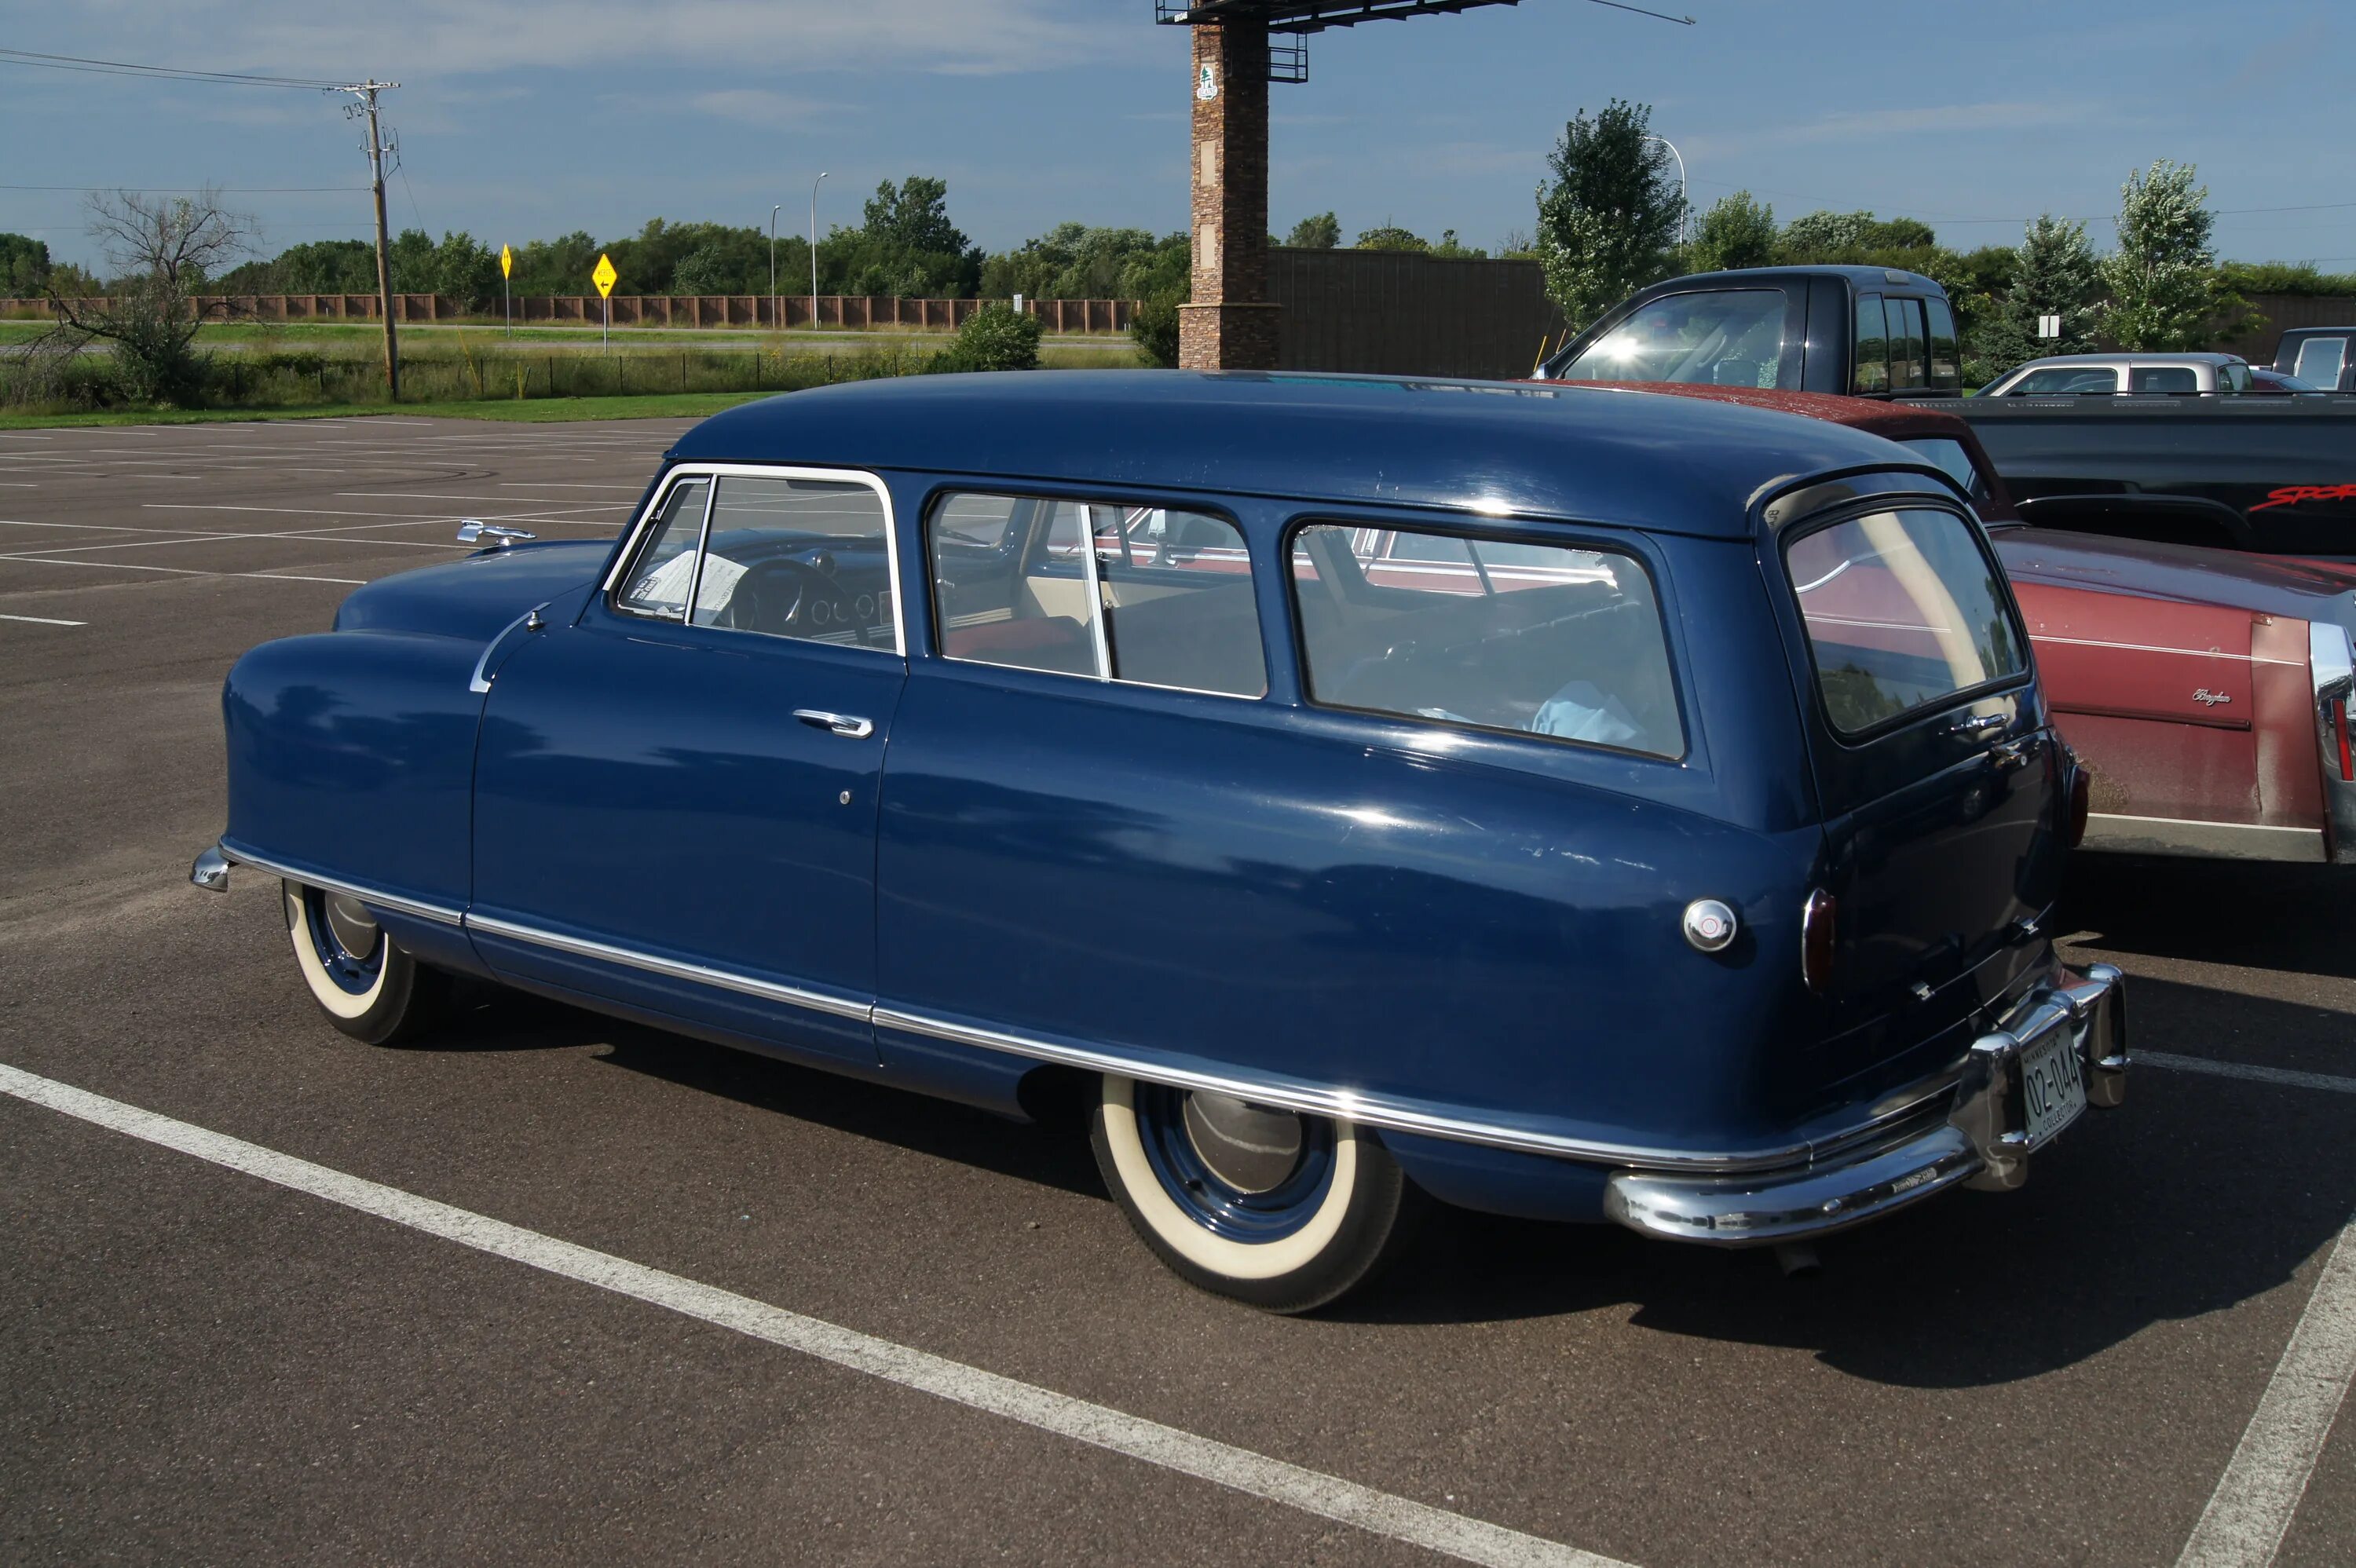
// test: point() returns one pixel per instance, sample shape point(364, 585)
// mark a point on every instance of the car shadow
point(2197, 1195)
point(2256, 915)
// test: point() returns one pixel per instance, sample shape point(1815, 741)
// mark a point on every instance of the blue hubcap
point(1243, 1171)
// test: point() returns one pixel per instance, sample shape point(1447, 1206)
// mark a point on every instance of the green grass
point(364, 335)
point(527, 410)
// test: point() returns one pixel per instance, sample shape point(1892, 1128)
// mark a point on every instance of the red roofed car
point(2205, 690)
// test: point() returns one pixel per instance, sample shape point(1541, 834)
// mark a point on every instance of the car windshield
point(1903, 610)
point(1721, 338)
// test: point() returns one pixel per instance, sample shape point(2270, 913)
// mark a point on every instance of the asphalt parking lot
point(553, 1288)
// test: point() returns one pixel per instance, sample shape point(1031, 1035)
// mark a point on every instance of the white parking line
point(2281, 1075)
point(2242, 1526)
point(1327, 1496)
point(180, 571)
point(44, 621)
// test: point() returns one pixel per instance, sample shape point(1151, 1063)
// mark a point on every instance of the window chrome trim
point(439, 914)
point(672, 968)
point(718, 471)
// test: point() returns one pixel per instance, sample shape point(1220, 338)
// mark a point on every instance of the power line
point(165, 72)
point(201, 189)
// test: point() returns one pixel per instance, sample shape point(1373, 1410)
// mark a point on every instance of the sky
point(524, 119)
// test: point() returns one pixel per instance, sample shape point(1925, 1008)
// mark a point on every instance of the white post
point(814, 184)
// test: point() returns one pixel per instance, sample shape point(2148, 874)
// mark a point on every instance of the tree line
point(1611, 215)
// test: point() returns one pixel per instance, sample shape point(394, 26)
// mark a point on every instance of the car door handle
point(2009, 754)
point(1978, 726)
point(840, 723)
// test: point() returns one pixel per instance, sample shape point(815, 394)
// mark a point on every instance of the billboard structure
point(1240, 46)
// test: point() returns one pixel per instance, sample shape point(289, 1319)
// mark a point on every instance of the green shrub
point(993, 338)
point(1155, 329)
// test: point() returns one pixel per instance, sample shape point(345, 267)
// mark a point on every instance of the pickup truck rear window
point(1903, 610)
point(1719, 337)
point(1496, 634)
point(2319, 360)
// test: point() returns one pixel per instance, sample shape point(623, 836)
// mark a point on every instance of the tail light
point(2082, 802)
point(2340, 733)
point(1816, 939)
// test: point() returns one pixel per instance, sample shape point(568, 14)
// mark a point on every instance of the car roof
point(1863, 277)
point(1557, 449)
point(2202, 356)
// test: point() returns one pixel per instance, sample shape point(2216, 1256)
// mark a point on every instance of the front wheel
point(1282, 1210)
point(365, 982)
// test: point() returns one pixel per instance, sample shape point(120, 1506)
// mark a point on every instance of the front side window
point(2237, 379)
point(785, 557)
point(656, 585)
point(2065, 378)
point(1903, 609)
point(1723, 337)
point(1150, 595)
point(2320, 361)
point(1497, 633)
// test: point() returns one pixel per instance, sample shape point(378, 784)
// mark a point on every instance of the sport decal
point(2292, 494)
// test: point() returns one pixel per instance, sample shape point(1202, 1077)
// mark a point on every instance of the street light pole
point(1685, 204)
point(777, 316)
point(814, 184)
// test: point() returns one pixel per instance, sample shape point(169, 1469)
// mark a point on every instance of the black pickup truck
point(2271, 474)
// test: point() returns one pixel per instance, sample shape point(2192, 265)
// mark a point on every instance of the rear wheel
point(366, 984)
point(1282, 1210)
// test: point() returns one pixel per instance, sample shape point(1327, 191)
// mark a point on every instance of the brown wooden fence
point(652, 310)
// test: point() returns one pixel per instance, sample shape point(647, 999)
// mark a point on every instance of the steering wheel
point(776, 596)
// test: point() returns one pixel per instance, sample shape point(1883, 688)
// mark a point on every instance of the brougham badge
point(2211, 698)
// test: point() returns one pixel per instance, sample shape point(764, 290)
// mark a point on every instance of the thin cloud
point(1873, 124)
point(345, 38)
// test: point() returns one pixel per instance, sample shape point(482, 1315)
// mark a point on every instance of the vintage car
point(1663, 834)
point(2206, 691)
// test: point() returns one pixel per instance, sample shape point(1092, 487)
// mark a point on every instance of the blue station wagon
point(1556, 801)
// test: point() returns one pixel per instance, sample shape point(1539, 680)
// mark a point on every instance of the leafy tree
point(702, 271)
point(1390, 237)
point(24, 265)
point(993, 338)
point(1154, 328)
point(1074, 262)
point(1323, 232)
point(1448, 247)
point(916, 217)
point(1606, 219)
point(1735, 233)
point(2162, 278)
point(165, 250)
point(1832, 239)
point(2054, 273)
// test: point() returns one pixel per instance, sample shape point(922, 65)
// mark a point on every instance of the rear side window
point(2174, 378)
point(2057, 379)
point(1904, 610)
point(1721, 338)
point(1953, 461)
point(1872, 346)
point(1500, 634)
point(2320, 361)
point(1946, 363)
point(1908, 369)
point(1154, 596)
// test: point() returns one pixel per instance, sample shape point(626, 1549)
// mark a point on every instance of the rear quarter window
point(1904, 610)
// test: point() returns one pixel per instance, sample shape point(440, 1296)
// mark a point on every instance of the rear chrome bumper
point(1983, 1142)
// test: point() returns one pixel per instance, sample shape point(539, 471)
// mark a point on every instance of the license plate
point(2052, 1091)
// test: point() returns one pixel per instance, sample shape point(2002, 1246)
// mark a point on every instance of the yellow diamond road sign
point(604, 276)
point(507, 262)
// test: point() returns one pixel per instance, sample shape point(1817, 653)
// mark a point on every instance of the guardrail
point(713, 311)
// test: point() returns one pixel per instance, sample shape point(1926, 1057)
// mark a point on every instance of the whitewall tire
point(366, 984)
point(1287, 1213)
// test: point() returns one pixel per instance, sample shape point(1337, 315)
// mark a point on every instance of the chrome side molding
point(474, 529)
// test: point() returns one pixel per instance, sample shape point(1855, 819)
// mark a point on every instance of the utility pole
point(814, 184)
point(365, 93)
point(777, 316)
